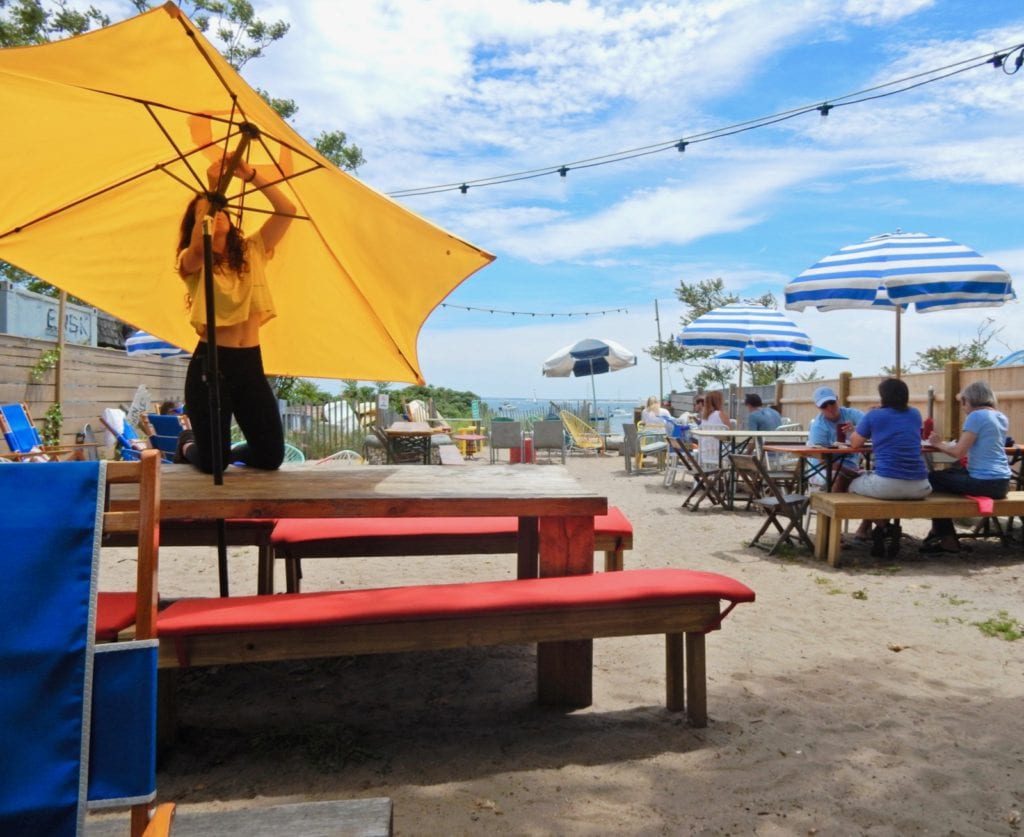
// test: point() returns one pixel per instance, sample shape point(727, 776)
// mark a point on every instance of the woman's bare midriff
point(239, 336)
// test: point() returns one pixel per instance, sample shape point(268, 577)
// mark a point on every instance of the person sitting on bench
point(900, 471)
point(987, 474)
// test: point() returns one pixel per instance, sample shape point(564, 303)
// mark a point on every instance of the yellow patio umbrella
point(109, 134)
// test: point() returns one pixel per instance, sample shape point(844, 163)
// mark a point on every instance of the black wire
point(998, 59)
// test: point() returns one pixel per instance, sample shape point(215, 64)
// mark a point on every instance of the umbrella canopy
point(108, 136)
point(743, 327)
point(591, 357)
point(781, 355)
point(144, 343)
point(896, 270)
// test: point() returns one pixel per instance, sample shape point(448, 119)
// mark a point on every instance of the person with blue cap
point(833, 426)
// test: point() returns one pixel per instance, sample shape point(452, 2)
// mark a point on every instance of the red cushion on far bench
point(445, 601)
point(290, 531)
point(114, 613)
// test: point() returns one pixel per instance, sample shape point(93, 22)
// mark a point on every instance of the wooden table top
point(411, 428)
point(375, 491)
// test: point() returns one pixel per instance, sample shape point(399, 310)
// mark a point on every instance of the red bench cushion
point(114, 613)
point(444, 601)
point(289, 531)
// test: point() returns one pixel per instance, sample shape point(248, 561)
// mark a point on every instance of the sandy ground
point(862, 700)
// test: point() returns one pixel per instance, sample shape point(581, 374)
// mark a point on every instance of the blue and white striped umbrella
point(900, 268)
point(744, 326)
point(591, 356)
point(143, 343)
point(896, 270)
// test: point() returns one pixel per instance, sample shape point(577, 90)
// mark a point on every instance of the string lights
point(537, 314)
point(1008, 60)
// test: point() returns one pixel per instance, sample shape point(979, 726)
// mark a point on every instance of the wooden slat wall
point(93, 379)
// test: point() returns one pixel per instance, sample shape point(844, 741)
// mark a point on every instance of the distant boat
point(507, 407)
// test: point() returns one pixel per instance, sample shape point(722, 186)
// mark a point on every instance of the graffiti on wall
point(77, 326)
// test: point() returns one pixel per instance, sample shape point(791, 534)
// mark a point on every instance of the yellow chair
point(584, 437)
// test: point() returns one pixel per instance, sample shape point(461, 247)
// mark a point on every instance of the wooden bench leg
point(292, 573)
point(696, 680)
point(166, 709)
point(821, 536)
point(265, 570)
point(565, 673)
point(675, 673)
point(614, 559)
point(835, 533)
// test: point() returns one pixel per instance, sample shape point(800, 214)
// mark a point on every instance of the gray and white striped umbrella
point(896, 270)
point(744, 326)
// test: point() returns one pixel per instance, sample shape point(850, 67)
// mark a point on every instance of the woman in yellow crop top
point(242, 303)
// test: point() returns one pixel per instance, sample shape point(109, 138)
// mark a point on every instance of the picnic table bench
point(683, 605)
point(834, 508)
point(337, 537)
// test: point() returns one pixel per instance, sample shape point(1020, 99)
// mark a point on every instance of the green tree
point(699, 298)
point(973, 354)
point(449, 403)
point(354, 391)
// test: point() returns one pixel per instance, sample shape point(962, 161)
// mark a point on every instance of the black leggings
point(244, 394)
point(956, 480)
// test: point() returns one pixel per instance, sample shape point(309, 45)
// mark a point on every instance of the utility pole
point(661, 383)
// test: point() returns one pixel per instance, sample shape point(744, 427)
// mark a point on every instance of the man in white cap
point(833, 425)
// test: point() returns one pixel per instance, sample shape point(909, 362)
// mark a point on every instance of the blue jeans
point(956, 480)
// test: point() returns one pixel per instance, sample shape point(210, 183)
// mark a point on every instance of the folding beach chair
point(163, 431)
point(708, 483)
point(79, 718)
point(23, 438)
point(766, 494)
point(127, 441)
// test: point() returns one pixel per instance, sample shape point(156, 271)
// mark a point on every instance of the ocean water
point(615, 413)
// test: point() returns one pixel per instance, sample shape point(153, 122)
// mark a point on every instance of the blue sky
point(454, 90)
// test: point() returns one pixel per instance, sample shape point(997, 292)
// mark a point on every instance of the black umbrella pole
point(213, 391)
point(212, 365)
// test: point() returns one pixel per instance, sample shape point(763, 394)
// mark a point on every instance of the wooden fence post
point(844, 388)
point(951, 404)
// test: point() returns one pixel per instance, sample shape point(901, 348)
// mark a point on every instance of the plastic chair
point(342, 457)
point(80, 716)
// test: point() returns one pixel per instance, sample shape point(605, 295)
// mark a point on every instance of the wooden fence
point(92, 379)
point(933, 393)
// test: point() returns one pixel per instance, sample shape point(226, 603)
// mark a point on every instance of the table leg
point(565, 669)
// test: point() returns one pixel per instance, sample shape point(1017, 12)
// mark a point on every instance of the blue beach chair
point(79, 716)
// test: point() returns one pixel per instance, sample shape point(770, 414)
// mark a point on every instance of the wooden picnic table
point(556, 521)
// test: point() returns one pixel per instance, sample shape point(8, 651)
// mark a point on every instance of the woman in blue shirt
point(983, 442)
point(900, 472)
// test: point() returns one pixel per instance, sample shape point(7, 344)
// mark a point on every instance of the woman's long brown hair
point(235, 246)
